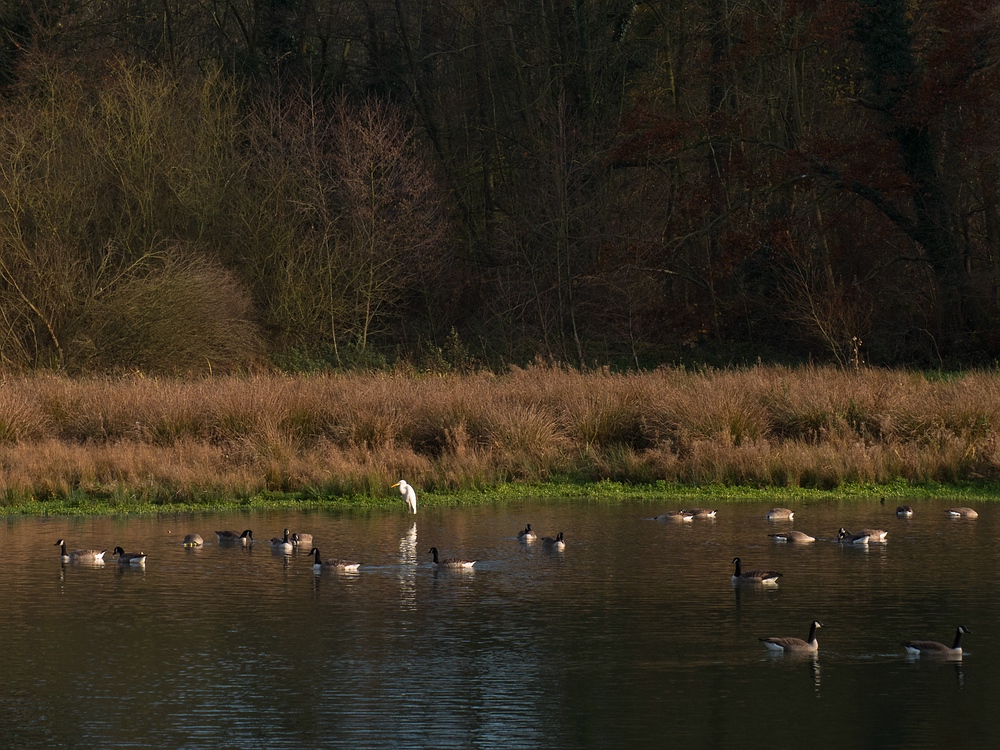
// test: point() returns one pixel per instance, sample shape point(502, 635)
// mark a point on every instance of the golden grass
point(342, 434)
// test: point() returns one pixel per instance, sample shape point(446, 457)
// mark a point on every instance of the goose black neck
point(736, 562)
point(812, 633)
point(315, 552)
point(958, 637)
point(434, 551)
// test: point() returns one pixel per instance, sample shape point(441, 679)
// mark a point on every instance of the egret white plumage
point(408, 494)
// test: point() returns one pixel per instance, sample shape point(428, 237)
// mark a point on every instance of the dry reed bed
point(166, 440)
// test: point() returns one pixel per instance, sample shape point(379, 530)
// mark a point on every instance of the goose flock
point(764, 577)
point(288, 542)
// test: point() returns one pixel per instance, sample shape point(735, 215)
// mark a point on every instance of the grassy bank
point(661, 495)
point(134, 444)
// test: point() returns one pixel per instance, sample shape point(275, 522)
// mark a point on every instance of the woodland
point(192, 186)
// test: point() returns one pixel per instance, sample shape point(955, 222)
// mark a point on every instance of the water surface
point(632, 637)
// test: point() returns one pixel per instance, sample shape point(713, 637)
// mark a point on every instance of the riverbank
point(658, 494)
point(138, 444)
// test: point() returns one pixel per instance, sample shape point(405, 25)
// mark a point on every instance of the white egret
point(408, 493)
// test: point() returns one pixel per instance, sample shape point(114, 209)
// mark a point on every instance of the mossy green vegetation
point(607, 492)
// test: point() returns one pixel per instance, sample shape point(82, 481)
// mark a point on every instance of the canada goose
point(79, 555)
point(799, 537)
point(450, 562)
point(408, 493)
point(234, 537)
point(764, 577)
point(874, 535)
point(321, 565)
point(558, 542)
point(675, 515)
point(527, 535)
point(129, 558)
point(301, 540)
point(933, 648)
point(701, 512)
point(962, 513)
point(779, 514)
point(193, 540)
point(846, 537)
point(795, 645)
point(904, 511)
point(281, 544)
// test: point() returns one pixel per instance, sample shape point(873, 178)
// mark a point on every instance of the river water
point(631, 637)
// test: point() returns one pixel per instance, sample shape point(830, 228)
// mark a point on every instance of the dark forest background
point(192, 185)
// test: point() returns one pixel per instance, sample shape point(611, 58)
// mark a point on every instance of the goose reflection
point(796, 658)
point(407, 575)
point(915, 662)
point(752, 591)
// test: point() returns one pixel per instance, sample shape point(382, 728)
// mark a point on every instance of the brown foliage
point(336, 434)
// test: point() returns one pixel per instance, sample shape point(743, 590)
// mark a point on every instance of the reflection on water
point(633, 636)
point(407, 573)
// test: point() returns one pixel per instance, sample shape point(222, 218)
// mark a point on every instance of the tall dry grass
point(185, 440)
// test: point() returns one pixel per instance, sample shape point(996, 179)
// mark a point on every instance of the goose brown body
point(235, 537)
point(780, 514)
point(526, 534)
point(79, 555)
point(846, 537)
point(934, 648)
point(449, 562)
point(874, 535)
point(795, 645)
point(558, 542)
point(799, 537)
point(129, 558)
point(962, 513)
point(675, 515)
point(758, 576)
point(321, 565)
